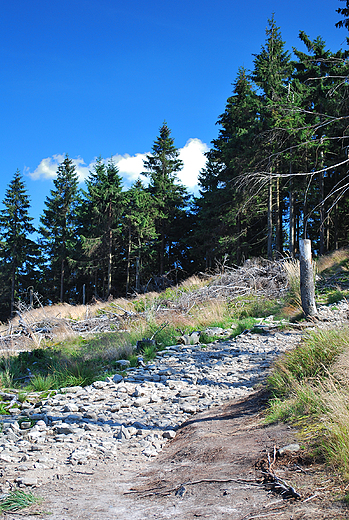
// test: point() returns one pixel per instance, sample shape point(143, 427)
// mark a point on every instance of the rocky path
point(122, 424)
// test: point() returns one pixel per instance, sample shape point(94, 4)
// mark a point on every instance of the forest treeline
point(277, 172)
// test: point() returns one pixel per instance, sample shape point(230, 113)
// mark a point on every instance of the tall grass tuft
point(308, 388)
point(292, 269)
point(311, 359)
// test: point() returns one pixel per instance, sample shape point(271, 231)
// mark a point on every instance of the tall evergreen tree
point(271, 72)
point(58, 230)
point(139, 227)
point(321, 72)
point(102, 221)
point(225, 222)
point(169, 197)
point(18, 252)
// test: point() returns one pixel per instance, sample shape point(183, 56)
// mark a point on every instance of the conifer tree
point(325, 100)
point(271, 72)
point(18, 252)
point(140, 230)
point(102, 221)
point(223, 207)
point(58, 230)
point(168, 195)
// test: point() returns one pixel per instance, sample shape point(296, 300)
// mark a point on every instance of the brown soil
point(212, 469)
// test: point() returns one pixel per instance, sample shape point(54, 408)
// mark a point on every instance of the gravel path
point(123, 424)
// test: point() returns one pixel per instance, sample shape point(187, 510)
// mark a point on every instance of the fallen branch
point(164, 492)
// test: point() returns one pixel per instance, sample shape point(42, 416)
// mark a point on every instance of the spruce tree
point(272, 69)
point(18, 252)
point(58, 231)
point(325, 107)
point(102, 223)
point(139, 228)
point(224, 204)
point(169, 197)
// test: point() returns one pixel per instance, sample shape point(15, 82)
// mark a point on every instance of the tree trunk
point(128, 259)
point(162, 253)
point(270, 220)
point(291, 200)
point(278, 226)
point(13, 284)
point(137, 274)
point(335, 238)
point(61, 293)
point(238, 246)
point(307, 279)
point(110, 256)
point(322, 215)
point(322, 204)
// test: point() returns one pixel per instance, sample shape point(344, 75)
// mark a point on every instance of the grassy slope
point(310, 385)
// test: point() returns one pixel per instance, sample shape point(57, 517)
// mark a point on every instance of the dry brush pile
point(32, 327)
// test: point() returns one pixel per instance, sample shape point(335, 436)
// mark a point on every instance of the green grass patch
point(17, 500)
point(253, 306)
point(311, 359)
point(337, 296)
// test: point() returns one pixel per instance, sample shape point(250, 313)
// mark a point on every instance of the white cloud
point(131, 167)
point(47, 168)
point(192, 155)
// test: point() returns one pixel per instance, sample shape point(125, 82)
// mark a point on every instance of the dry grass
point(292, 270)
point(332, 259)
point(213, 311)
point(310, 387)
point(195, 303)
point(335, 399)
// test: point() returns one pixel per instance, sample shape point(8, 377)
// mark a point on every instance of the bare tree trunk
point(335, 238)
point(307, 279)
point(61, 294)
point(96, 282)
point(13, 283)
point(278, 226)
point(238, 248)
point(137, 275)
point(322, 215)
point(110, 256)
point(270, 220)
point(128, 259)
point(291, 200)
point(322, 204)
point(162, 253)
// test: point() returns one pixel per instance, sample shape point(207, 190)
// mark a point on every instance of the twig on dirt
point(162, 326)
point(164, 492)
point(279, 486)
point(309, 498)
point(262, 515)
point(275, 483)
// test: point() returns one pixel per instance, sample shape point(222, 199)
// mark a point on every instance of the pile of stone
point(131, 417)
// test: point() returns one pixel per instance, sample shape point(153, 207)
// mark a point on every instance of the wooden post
point(84, 294)
point(307, 279)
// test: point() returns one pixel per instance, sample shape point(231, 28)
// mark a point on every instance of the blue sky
point(98, 77)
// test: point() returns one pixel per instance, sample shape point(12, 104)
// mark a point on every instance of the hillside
point(163, 418)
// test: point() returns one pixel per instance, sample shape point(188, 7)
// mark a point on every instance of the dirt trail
point(207, 471)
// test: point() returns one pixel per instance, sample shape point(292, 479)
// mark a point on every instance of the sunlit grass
point(308, 389)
